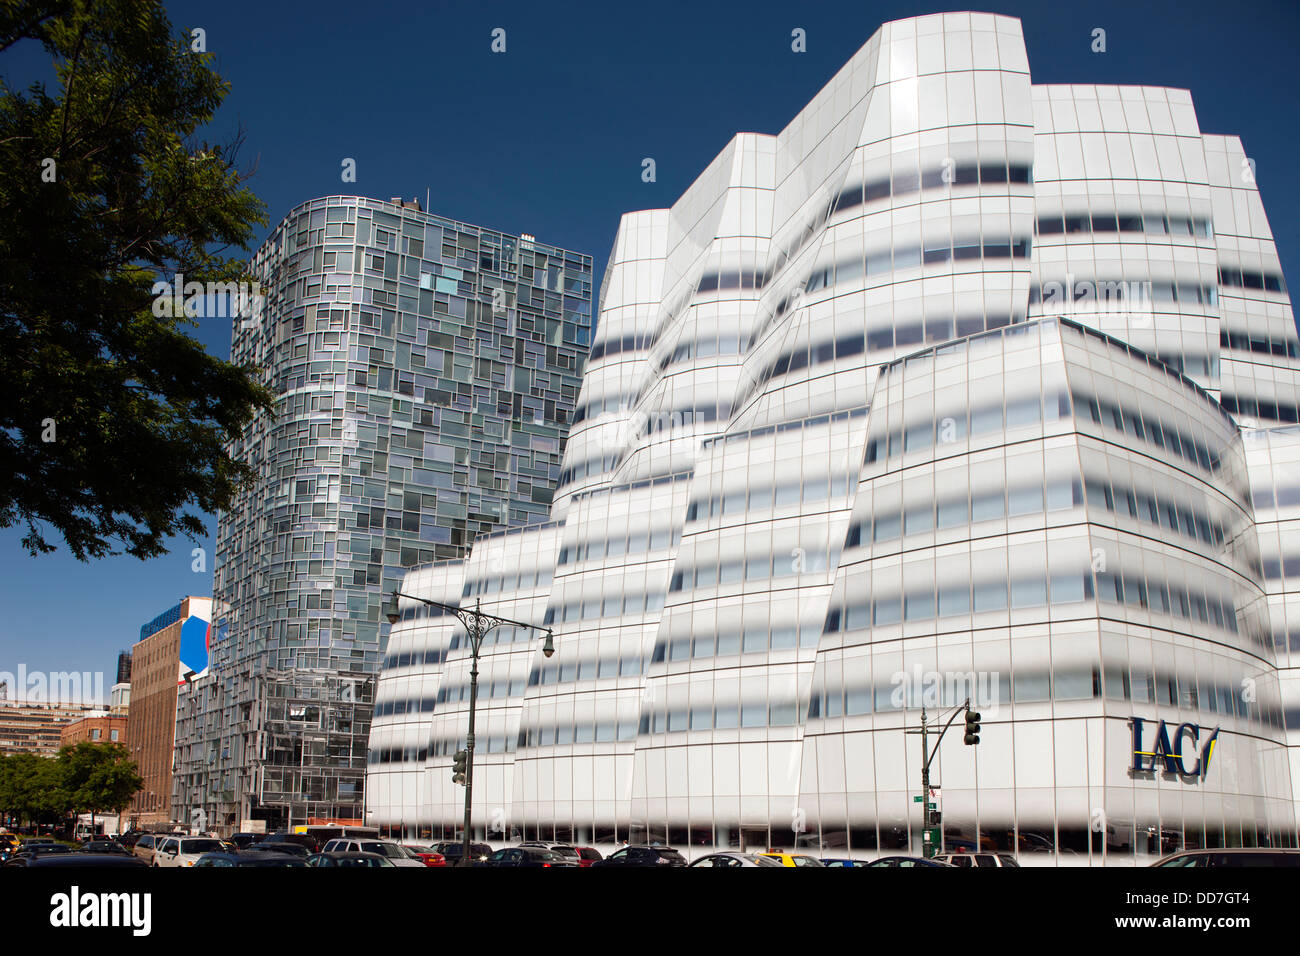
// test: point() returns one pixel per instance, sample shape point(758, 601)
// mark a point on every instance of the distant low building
point(37, 728)
point(99, 728)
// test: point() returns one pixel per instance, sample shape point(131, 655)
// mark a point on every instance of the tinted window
point(1254, 859)
point(201, 846)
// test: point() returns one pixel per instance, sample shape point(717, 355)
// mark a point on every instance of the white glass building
point(957, 387)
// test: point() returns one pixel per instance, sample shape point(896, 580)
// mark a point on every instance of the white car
point(398, 854)
point(179, 851)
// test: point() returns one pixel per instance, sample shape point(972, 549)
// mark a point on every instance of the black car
point(301, 839)
point(245, 840)
point(295, 849)
point(74, 860)
point(528, 856)
point(643, 856)
point(479, 852)
point(129, 840)
point(105, 846)
point(262, 858)
point(31, 851)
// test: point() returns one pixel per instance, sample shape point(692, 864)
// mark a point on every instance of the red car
point(587, 855)
point(427, 854)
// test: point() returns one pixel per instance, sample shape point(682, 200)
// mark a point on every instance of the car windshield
point(565, 851)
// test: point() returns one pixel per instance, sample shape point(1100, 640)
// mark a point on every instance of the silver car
point(397, 854)
point(977, 859)
point(733, 859)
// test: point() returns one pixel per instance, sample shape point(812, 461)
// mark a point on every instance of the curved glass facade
point(925, 398)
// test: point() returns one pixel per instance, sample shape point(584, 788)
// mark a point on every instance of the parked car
point(904, 861)
point(639, 856)
point(427, 854)
point(395, 852)
point(1234, 858)
point(302, 839)
point(840, 861)
point(296, 850)
point(571, 853)
point(182, 851)
point(250, 858)
point(75, 860)
point(587, 855)
point(452, 851)
point(730, 859)
point(977, 859)
point(245, 840)
point(129, 839)
point(793, 859)
point(30, 851)
point(106, 846)
point(144, 847)
point(529, 856)
point(349, 859)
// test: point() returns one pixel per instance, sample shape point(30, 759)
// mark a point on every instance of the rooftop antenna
point(426, 198)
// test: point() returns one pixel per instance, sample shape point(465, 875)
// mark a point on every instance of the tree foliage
point(83, 778)
point(108, 189)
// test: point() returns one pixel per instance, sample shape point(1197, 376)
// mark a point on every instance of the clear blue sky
point(548, 138)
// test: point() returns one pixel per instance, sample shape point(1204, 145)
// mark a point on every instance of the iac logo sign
point(1168, 750)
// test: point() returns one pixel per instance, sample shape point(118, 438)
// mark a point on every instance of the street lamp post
point(929, 846)
point(476, 624)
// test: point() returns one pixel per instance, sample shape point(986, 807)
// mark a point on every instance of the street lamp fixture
point(476, 624)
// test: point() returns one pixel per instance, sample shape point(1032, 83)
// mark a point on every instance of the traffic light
point(972, 728)
point(458, 766)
